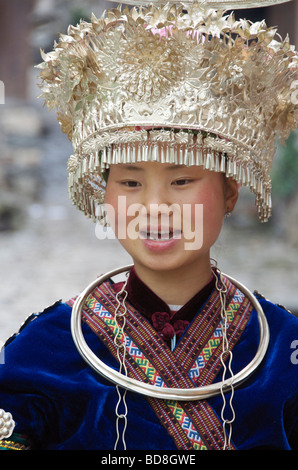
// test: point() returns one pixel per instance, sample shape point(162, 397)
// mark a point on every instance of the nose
point(157, 203)
point(155, 194)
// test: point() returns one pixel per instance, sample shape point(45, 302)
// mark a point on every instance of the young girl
point(169, 112)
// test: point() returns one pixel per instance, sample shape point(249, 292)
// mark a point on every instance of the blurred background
point(48, 250)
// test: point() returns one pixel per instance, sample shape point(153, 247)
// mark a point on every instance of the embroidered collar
point(158, 312)
point(196, 361)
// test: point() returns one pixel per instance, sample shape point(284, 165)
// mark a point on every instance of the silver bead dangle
point(225, 357)
point(120, 343)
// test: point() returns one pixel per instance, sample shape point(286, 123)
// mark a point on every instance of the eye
point(182, 181)
point(130, 183)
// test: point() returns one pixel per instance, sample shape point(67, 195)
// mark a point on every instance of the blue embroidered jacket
point(59, 403)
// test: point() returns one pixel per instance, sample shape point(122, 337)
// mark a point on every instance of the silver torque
point(167, 393)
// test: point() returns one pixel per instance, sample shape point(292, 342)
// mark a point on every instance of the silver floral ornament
point(118, 80)
point(7, 424)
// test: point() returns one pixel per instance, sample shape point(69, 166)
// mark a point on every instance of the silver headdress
point(176, 82)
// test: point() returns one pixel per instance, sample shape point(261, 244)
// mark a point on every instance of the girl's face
point(167, 216)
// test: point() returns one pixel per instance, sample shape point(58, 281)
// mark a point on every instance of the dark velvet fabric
point(153, 307)
point(147, 302)
point(60, 403)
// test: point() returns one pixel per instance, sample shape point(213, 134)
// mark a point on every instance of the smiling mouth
point(160, 235)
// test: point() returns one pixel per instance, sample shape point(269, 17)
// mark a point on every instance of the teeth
point(163, 235)
point(159, 235)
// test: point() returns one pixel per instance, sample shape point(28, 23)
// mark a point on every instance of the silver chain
point(225, 357)
point(120, 343)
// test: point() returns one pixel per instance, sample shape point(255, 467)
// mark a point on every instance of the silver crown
point(161, 83)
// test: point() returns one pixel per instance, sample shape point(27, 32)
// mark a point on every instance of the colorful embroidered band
point(196, 359)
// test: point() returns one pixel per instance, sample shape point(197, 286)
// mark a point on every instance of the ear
point(231, 194)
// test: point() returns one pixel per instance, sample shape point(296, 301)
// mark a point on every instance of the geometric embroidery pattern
point(216, 338)
point(195, 426)
point(151, 373)
point(187, 425)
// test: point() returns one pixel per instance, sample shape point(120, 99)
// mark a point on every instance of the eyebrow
point(125, 166)
point(176, 167)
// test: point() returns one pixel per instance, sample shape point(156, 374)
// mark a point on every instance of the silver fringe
point(85, 180)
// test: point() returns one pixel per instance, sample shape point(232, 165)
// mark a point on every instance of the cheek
point(117, 206)
point(211, 196)
point(213, 203)
point(212, 199)
point(111, 205)
point(110, 193)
